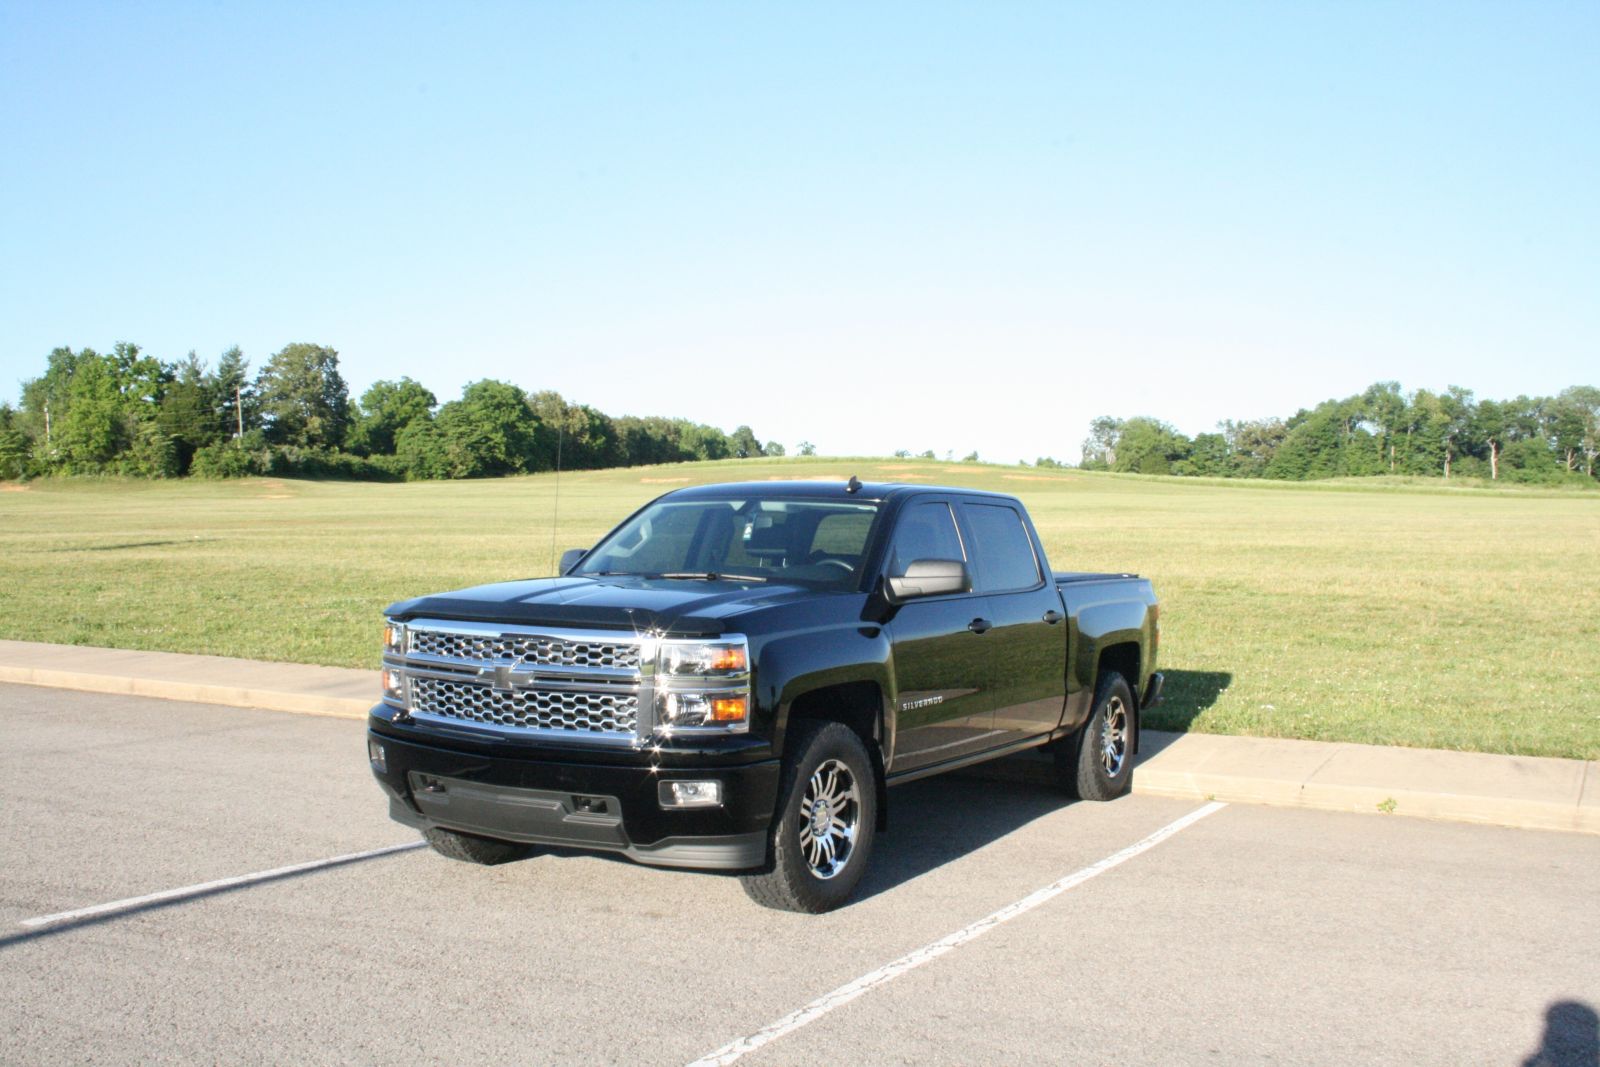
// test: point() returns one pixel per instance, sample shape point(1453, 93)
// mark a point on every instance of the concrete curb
point(237, 683)
point(1526, 792)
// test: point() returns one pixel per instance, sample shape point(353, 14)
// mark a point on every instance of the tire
point(469, 848)
point(1098, 763)
point(812, 872)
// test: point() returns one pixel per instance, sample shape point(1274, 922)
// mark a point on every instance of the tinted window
point(925, 531)
point(1002, 548)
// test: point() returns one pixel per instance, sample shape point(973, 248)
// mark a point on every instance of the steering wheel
point(832, 561)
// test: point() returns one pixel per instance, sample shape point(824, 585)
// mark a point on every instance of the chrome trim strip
point(577, 673)
point(447, 724)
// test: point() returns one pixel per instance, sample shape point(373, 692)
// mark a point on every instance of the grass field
point(1388, 614)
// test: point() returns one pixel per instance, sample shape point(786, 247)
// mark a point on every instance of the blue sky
point(873, 226)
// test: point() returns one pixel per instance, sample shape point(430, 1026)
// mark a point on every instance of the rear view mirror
point(929, 577)
point(570, 558)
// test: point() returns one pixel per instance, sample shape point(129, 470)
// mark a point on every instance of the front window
point(814, 542)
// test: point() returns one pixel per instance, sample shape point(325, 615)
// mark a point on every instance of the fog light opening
point(691, 794)
point(379, 758)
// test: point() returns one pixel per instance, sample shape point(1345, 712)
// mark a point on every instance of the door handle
point(1053, 617)
point(979, 626)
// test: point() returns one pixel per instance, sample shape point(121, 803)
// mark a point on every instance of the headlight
point(704, 657)
point(393, 677)
point(703, 686)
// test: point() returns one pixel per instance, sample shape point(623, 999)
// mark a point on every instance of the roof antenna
point(853, 485)
point(555, 508)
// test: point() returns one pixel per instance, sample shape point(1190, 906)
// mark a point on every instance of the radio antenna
point(555, 507)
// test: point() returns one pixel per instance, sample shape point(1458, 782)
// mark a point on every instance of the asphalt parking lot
point(1249, 935)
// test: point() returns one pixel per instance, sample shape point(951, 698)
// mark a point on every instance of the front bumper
point(605, 807)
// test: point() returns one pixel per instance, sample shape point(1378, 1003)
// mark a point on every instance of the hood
point(630, 603)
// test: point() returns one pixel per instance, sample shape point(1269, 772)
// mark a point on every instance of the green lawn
point(1383, 613)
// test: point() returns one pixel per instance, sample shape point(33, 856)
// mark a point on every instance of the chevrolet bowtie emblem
point(501, 677)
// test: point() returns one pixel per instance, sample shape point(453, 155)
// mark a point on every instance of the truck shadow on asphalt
point(939, 820)
point(1186, 695)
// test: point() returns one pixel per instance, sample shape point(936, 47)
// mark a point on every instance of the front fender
point(790, 665)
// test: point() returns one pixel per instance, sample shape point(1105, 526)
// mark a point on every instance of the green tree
point(188, 418)
point(586, 439)
point(233, 396)
point(1147, 446)
point(644, 441)
point(1384, 407)
point(1330, 441)
point(1252, 444)
point(14, 445)
point(1210, 456)
point(386, 408)
point(704, 442)
point(94, 429)
point(1579, 409)
point(744, 444)
point(1100, 447)
point(1452, 423)
point(806, 448)
point(490, 430)
point(302, 398)
point(423, 451)
point(773, 449)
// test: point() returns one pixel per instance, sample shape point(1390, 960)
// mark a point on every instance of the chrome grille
point(530, 709)
point(528, 649)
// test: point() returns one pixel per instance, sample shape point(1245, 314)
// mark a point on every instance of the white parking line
point(209, 887)
point(889, 972)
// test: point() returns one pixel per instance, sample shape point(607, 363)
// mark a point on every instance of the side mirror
point(929, 577)
point(570, 558)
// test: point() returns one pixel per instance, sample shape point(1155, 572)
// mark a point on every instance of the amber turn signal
point(728, 658)
point(729, 709)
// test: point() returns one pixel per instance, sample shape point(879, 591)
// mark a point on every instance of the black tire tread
point(1078, 768)
point(469, 848)
point(776, 886)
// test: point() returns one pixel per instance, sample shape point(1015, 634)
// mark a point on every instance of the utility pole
point(47, 424)
point(238, 407)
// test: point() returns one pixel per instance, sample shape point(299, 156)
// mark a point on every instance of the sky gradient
point(873, 227)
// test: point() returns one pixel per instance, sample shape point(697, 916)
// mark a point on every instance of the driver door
point(939, 662)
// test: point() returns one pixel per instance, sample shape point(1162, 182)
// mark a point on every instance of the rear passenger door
point(1027, 636)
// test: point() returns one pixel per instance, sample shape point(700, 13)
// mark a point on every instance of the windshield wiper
point(709, 576)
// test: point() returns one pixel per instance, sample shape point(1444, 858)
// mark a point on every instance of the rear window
point(1002, 548)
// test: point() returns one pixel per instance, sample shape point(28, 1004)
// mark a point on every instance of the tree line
point(126, 412)
point(1539, 439)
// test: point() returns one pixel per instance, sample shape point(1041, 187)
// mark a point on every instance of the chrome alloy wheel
point(1114, 737)
point(829, 814)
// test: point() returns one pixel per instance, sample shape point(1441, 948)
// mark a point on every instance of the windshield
point(811, 541)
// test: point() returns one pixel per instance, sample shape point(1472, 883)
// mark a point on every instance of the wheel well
point(1124, 659)
point(858, 705)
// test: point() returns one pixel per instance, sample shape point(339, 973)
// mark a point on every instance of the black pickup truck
point(733, 677)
